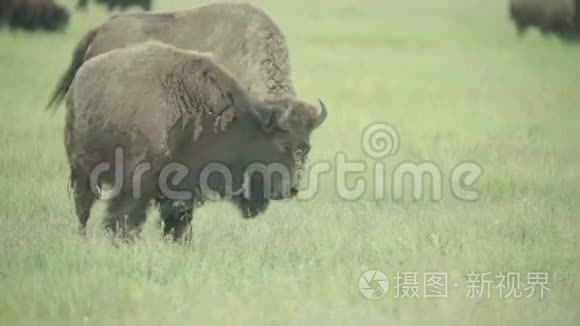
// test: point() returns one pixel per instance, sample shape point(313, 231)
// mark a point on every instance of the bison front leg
point(251, 207)
point(126, 216)
point(176, 216)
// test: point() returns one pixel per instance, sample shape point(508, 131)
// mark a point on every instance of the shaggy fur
point(241, 37)
point(33, 14)
point(559, 17)
point(162, 105)
point(121, 4)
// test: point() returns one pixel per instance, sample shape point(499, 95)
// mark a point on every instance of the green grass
point(451, 77)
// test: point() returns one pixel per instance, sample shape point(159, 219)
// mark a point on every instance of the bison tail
point(66, 80)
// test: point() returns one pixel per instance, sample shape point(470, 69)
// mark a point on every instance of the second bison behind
point(161, 106)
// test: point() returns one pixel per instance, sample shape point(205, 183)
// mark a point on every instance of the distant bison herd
point(556, 17)
point(551, 17)
point(121, 4)
point(33, 14)
point(49, 15)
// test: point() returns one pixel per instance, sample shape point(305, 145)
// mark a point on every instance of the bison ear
point(266, 117)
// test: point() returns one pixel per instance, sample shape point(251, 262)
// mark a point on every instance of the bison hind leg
point(84, 198)
point(251, 207)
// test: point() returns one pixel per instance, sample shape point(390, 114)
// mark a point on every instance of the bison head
point(278, 155)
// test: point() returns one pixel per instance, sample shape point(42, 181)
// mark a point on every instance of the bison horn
point(322, 113)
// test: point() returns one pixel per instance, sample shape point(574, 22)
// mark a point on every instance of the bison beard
point(256, 203)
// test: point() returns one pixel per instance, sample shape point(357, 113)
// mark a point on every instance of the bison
point(122, 4)
point(558, 17)
point(33, 14)
point(163, 105)
point(241, 37)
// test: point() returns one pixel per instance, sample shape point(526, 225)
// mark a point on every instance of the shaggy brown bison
point(163, 105)
point(33, 14)
point(121, 4)
point(558, 17)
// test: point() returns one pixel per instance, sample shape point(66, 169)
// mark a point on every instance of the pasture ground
point(453, 79)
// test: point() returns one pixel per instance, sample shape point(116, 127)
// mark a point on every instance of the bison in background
point(241, 37)
point(121, 4)
point(557, 17)
point(33, 14)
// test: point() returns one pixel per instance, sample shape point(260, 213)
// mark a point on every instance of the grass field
point(450, 76)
